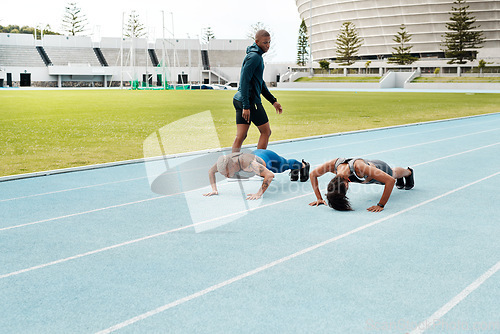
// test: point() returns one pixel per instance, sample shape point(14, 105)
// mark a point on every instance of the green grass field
point(439, 79)
point(339, 79)
point(52, 129)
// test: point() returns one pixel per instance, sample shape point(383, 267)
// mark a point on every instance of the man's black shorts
point(258, 115)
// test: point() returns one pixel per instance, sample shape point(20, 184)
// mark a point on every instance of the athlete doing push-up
point(359, 171)
point(260, 162)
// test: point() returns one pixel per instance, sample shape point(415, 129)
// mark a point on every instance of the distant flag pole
point(173, 36)
point(121, 53)
point(146, 84)
point(310, 38)
point(164, 76)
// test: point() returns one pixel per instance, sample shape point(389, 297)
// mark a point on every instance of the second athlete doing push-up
point(260, 162)
point(359, 171)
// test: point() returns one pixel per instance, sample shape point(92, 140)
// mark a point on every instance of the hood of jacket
point(254, 48)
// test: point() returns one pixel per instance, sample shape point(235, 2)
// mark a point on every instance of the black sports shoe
point(304, 171)
point(400, 183)
point(294, 175)
point(410, 181)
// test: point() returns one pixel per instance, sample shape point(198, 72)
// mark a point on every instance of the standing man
point(247, 100)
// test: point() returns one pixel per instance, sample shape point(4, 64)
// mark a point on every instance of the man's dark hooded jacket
point(251, 80)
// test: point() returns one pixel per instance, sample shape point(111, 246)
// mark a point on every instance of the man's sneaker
point(294, 174)
point(400, 183)
point(409, 180)
point(304, 171)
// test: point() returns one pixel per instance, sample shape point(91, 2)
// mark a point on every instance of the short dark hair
point(261, 33)
point(336, 194)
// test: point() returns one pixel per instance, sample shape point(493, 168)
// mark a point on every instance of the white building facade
point(377, 22)
point(78, 61)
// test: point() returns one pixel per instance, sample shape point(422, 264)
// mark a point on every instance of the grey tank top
point(353, 177)
point(244, 159)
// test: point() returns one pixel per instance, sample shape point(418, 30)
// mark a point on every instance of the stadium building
point(377, 22)
point(78, 61)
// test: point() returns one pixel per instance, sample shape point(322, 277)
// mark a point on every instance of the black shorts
point(258, 115)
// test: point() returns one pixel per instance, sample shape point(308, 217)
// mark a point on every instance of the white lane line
point(83, 213)
point(279, 261)
point(395, 127)
point(456, 154)
point(431, 142)
point(145, 238)
point(395, 149)
point(431, 321)
point(105, 208)
point(72, 189)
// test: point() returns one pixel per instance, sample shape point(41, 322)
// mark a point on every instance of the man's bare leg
point(265, 133)
point(241, 135)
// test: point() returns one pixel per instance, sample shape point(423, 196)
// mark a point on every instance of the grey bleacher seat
point(13, 55)
point(141, 57)
point(226, 58)
point(183, 58)
point(64, 56)
point(112, 56)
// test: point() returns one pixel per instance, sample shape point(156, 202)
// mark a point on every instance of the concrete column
point(59, 81)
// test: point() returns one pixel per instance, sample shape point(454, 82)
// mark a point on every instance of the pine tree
point(134, 27)
point(261, 26)
point(402, 52)
point(208, 35)
point(348, 44)
point(324, 64)
point(302, 45)
point(461, 40)
point(256, 27)
point(74, 21)
point(481, 66)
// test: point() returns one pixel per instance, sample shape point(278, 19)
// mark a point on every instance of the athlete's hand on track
point(375, 208)
point(246, 115)
point(253, 196)
point(211, 193)
point(317, 203)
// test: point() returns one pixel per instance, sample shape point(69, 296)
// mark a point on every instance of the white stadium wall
point(378, 22)
point(74, 61)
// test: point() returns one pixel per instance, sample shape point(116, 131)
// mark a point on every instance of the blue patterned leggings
point(276, 163)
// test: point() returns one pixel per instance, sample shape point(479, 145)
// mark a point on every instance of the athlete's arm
point(376, 174)
point(313, 176)
point(211, 177)
point(268, 176)
point(270, 97)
